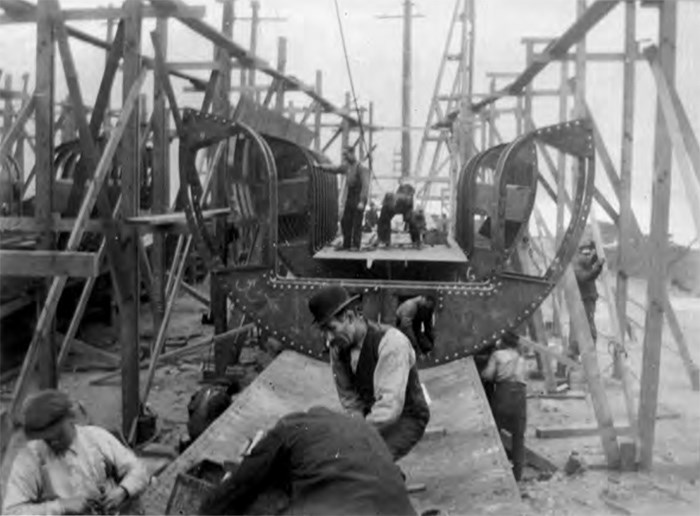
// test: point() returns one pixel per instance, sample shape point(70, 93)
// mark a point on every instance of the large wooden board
point(465, 470)
point(401, 250)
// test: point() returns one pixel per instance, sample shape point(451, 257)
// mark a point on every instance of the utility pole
point(407, 17)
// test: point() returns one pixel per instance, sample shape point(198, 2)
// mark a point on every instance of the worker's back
point(341, 465)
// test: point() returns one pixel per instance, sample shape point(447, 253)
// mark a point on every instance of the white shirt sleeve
point(396, 357)
point(132, 473)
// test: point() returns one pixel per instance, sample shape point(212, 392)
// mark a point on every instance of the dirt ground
point(671, 488)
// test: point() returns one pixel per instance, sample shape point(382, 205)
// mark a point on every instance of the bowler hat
point(328, 302)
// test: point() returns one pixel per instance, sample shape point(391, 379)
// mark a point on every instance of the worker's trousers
point(403, 435)
point(574, 347)
point(351, 223)
point(510, 412)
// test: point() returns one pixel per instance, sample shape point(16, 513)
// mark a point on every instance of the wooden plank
point(161, 181)
point(658, 242)
point(83, 347)
point(624, 194)
point(480, 482)
point(104, 92)
point(536, 322)
point(130, 159)
point(101, 13)
point(673, 128)
point(559, 47)
point(196, 294)
point(177, 353)
point(56, 224)
point(690, 366)
point(161, 72)
point(562, 432)
point(582, 334)
point(218, 299)
point(157, 220)
point(10, 136)
point(249, 60)
point(46, 263)
point(45, 177)
point(620, 355)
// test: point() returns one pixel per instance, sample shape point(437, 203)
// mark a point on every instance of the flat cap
point(43, 410)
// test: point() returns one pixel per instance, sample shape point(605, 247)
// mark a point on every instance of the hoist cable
point(352, 83)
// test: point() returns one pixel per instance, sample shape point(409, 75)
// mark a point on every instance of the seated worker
point(399, 203)
point(374, 368)
point(67, 468)
point(414, 317)
point(506, 368)
point(331, 464)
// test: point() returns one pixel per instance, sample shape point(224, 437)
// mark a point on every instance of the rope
point(352, 83)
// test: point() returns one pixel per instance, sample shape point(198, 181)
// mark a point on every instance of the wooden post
point(161, 180)
point(492, 114)
point(620, 357)
point(656, 287)
point(582, 333)
point(317, 112)
point(44, 113)
point(254, 25)
point(406, 91)
point(221, 104)
point(129, 335)
point(625, 223)
point(536, 323)
point(281, 67)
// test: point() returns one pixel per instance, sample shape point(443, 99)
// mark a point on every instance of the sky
point(374, 49)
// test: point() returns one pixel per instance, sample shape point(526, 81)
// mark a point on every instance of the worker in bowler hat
point(374, 368)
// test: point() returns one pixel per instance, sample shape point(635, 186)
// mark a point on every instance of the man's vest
point(414, 405)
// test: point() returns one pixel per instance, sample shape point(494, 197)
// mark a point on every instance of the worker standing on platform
point(587, 267)
point(414, 317)
point(357, 179)
point(506, 368)
point(374, 368)
point(67, 468)
point(329, 463)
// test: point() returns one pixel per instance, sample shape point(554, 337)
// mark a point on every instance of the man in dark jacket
point(587, 268)
point(357, 178)
point(331, 463)
point(374, 368)
point(399, 203)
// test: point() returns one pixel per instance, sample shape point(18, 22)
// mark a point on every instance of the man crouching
point(67, 468)
point(374, 368)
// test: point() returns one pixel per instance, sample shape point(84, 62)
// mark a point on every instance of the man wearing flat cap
point(374, 368)
point(67, 468)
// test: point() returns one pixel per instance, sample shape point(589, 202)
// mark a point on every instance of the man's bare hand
point(361, 206)
point(114, 498)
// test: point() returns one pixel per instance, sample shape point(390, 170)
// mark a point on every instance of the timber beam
point(250, 60)
point(40, 263)
point(557, 48)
